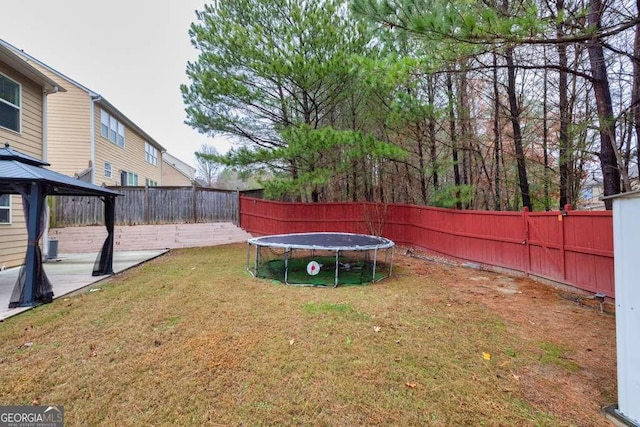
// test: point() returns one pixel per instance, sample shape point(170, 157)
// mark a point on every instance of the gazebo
point(27, 176)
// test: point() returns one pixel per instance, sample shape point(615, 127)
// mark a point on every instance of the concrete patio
point(69, 273)
point(78, 247)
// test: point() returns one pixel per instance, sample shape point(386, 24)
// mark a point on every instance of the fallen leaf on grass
point(411, 385)
point(36, 401)
point(376, 328)
point(291, 341)
point(486, 356)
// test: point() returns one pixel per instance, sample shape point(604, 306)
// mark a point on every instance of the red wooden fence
point(571, 247)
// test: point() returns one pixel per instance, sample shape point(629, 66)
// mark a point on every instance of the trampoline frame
point(260, 242)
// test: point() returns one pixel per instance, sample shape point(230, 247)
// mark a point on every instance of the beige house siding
point(68, 126)
point(131, 158)
point(172, 177)
point(69, 131)
point(13, 237)
point(29, 139)
point(70, 117)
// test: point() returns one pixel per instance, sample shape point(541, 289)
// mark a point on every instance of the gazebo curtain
point(104, 261)
point(33, 285)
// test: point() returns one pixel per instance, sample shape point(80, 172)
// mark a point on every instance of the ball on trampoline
point(313, 268)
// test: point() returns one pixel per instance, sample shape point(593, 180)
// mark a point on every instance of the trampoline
point(321, 259)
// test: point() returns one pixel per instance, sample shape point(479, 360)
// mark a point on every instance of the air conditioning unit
point(52, 249)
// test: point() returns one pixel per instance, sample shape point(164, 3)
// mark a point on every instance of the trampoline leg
point(286, 266)
point(249, 260)
point(375, 260)
point(335, 284)
point(257, 260)
point(391, 264)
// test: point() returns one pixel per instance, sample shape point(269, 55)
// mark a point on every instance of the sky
point(132, 52)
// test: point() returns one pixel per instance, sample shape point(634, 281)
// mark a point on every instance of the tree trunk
point(565, 149)
point(608, 149)
point(514, 115)
point(421, 162)
point(294, 177)
point(635, 92)
point(432, 134)
point(545, 140)
point(454, 147)
point(496, 136)
point(463, 118)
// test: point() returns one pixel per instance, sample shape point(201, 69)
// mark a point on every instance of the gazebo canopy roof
point(27, 176)
point(19, 168)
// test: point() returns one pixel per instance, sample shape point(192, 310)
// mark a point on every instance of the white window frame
point(17, 107)
point(108, 170)
point(132, 179)
point(148, 182)
point(150, 154)
point(7, 207)
point(104, 124)
point(120, 135)
point(112, 129)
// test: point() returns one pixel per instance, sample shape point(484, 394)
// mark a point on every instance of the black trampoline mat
point(332, 241)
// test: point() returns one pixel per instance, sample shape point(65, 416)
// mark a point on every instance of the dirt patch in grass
point(190, 338)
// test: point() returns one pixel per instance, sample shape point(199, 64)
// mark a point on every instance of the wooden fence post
point(525, 240)
point(194, 196)
point(237, 221)
point(146, 204)
point(561, 219)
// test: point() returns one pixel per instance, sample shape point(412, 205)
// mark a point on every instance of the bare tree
point(207, 168)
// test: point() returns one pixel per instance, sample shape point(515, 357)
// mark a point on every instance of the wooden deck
point(147, 237)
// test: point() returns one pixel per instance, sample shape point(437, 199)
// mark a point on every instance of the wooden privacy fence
point(569, 247)
point(149, 205)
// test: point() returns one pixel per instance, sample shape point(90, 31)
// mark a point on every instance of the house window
point(9, 104)
point(5, 209)
point(150, 183)
point(107, 170)
point(111, 129)
point(128, 179)
point(104, 124)
point(151, 154)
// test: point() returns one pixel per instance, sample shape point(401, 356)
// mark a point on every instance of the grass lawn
point(191, 338)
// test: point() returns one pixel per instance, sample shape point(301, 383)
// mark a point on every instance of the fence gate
point(543, 241)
